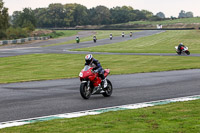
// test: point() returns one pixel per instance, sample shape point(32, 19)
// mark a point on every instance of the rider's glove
point(95, 71)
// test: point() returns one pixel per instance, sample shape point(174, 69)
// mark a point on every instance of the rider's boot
point(105, 84)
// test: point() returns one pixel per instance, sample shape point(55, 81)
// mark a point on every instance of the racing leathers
point(98, 69)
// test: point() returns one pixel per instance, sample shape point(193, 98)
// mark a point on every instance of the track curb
point(97, 111)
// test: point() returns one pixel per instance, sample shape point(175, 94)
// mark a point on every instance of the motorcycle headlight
point(80, 74)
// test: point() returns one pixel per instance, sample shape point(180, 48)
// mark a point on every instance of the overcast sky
point(168, 7)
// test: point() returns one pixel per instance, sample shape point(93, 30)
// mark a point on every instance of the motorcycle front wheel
point(85, 91)
point(108, 89)
point(187, 52)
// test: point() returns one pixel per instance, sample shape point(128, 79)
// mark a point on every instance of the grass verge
point(58, 66)
point(195, 20)
point(159, 43)
point(63, 33)
point(182, 117)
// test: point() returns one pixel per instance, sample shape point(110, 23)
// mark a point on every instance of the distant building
point(159, 26)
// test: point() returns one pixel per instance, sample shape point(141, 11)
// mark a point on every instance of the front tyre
point(108, 89)
point(85, 91)
point(187, 52)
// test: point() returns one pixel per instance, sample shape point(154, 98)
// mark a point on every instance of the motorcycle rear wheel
point(108, 89)
point(85, 92)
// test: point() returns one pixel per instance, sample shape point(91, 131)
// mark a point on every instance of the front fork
point(88, 84)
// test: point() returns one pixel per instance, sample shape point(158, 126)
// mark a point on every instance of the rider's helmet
point(88, 58)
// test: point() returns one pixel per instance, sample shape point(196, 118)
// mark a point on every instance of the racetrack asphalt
point(42, 98)
point(64, 49)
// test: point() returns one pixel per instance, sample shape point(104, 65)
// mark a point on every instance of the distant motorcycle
point(95, 40)
point(183, 52)
point(131, 34)
point(92, 84)
point(77, 40)
point(110, 37)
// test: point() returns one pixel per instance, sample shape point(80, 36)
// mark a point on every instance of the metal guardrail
point(22, 40)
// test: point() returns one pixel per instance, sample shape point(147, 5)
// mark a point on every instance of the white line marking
point(19, 48)
point(97, 111)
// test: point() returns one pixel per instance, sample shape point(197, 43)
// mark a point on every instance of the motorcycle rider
point(94, 38)
point(97, 68)
point(131, 34)
point(180, 47)
point(123, 34)
point(111, 36)
point(77, 39)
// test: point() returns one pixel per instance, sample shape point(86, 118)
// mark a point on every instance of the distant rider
point(77, 39)
point(97, 68)
point(111, 36)
point(180, 47)
point(94, 38)
point(131, 34)
point(122, 34)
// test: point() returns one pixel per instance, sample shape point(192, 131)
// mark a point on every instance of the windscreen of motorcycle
point(86, 68)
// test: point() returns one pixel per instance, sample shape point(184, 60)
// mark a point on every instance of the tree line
point(21, 23)
point(70, 15)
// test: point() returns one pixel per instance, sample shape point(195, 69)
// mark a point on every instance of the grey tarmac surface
point(64, 49)
point(41, 98)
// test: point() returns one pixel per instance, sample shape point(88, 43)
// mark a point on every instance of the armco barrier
point(18, 40)
point(23, 40)
point(14, 41)
point(5, 42)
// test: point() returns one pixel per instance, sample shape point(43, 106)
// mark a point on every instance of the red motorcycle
point(92, 84)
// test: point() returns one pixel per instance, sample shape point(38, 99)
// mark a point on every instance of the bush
point(2, 35)
point(54, 34)
point(15, 33)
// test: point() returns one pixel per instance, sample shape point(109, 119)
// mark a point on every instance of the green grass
point(68, 33)
point(166, 22)
point(63, 33)
point(182, 117)
point(100, 34)
point(58, 66)
point(159, 43)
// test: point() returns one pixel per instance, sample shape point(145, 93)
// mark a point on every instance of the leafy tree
point(80, 15)
point(4, 19)
point(68, 15)
point(172, 17)
point(56, 15)
point(42, 17)
point(147, 14)
point(69, 18)
point(189, 15)
point(100, 15)
point(121, 14)
point(24, 19)
point(160, 15)
point(140, 15)
point(182, 14)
